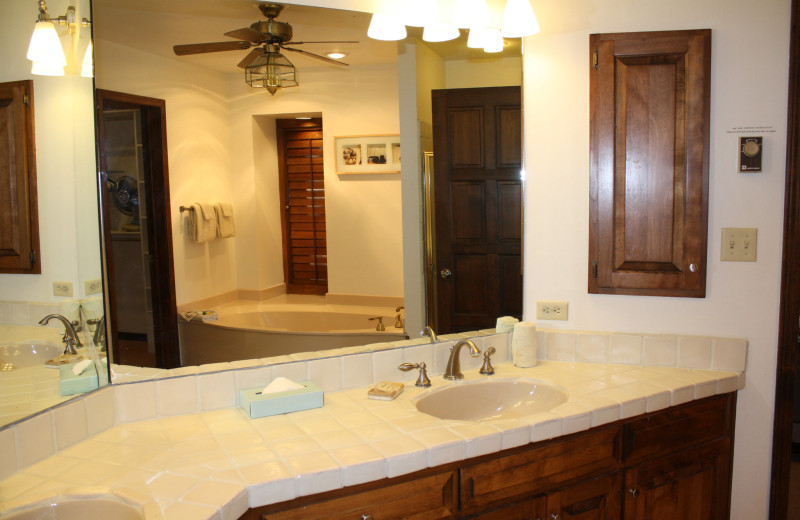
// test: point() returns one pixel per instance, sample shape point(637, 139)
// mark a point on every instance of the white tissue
point(280, 384)
point(80, 366)
point(505, 324)
point(523, 345)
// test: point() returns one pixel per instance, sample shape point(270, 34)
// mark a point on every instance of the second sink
point(496, 399)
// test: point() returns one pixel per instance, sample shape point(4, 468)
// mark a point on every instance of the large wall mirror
point(221, 145)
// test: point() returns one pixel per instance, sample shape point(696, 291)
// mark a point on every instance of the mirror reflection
point(262, 291)
point(66, 279)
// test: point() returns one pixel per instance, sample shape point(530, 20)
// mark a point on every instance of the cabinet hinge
point(594, 270)
point(595, 60)
point(33, 256)
point(26, 99)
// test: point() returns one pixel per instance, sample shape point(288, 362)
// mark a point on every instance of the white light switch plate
point(739, 244)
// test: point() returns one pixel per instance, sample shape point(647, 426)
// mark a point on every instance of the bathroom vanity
point(674, 463)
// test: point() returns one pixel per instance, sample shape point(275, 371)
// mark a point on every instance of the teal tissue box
point(72, 384)
point(258, 405)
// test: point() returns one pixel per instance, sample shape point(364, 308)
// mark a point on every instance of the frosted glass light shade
point(477, 37)
point(519, 20)
point(47, 69)
point(419, 13)
point(440, 32)
point(386, 28)
point(470, 13)
point(45, 47)
point(494, 41)
point(87, 66)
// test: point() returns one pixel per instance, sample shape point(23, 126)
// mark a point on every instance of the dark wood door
point(597, 499)
point(649, 106)
point(477, 214)
point(154, 227)
point(691, 485)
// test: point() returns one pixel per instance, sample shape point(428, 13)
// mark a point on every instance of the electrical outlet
point(552, 310)
point(93, 286)
point(62, 288)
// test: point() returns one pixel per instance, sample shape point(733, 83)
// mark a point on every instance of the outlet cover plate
point(93, 286)
point(62, 288)
point(547, 310)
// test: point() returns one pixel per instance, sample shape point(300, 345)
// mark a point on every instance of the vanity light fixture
point(518, 20)
point(45, 49)
point(271, 70)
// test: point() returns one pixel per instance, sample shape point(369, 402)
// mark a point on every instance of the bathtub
point(258, 330)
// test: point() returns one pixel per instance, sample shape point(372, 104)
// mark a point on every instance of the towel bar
point(186, 208)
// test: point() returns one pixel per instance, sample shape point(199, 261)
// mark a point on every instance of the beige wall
point(742, 298)
point(220, 136)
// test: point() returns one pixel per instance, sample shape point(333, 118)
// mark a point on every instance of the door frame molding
point(162, 280)
point(786, 371)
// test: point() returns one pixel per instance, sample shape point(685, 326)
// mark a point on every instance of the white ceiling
point(154, 26)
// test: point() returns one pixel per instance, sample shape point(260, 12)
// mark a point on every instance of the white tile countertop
point(216, 464)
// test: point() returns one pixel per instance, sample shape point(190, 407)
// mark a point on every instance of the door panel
point(478, 207)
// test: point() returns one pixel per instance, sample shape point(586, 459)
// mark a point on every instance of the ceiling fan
point(264, 65)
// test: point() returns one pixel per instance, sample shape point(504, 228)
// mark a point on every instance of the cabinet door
point(428, 498)
point(692, 485)
point(596, 499)
point(19, 216)
point(649, 135)
point(531, 509)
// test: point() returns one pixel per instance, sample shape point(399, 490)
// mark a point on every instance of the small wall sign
point(750, 152)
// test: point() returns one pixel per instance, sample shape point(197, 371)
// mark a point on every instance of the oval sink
point(29, 354)
point(79, 509)
point(497, 399)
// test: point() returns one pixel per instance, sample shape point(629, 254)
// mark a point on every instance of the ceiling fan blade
point(312, 55)
point(252, 55)
point(248, 34)
point(201, 48)
point(332, 41)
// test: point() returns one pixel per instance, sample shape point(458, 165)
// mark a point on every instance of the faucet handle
point(487, 369)
point(380, 326)
point(422, 380)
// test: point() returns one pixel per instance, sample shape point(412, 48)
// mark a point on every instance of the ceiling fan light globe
point(440, 32)
point(494, 41)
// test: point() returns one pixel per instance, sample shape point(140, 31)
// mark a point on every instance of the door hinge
point(594, 270)
point(26, 99)
point(595, 60)
point(33, 256)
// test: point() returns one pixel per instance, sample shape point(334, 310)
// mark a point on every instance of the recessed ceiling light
point(302, 118)
point(336, 55)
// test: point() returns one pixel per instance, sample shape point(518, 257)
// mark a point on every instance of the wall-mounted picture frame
point(367, 154)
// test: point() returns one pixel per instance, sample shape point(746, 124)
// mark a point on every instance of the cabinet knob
point(445, 273)
point(367, 517)
point(555, 516)
point(693, 268)
point(633, 492)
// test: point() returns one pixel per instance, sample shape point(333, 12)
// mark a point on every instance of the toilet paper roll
point(92, 308)
point(505, 324)
point(524, 352)
point(70, 309)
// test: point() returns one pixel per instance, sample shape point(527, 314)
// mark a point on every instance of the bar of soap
point(385, 391)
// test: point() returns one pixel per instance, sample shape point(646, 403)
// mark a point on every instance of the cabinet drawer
point(678, 428)
point(529, 472)
point(426, 498)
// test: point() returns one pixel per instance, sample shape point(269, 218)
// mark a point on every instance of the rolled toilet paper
point(505, 324)
point(524, 351)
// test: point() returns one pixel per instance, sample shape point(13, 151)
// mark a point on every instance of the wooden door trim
point(786, 370)
point(162, 279)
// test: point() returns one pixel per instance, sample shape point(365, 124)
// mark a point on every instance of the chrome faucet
point(99, 337)
point(427, 331)
point(398, 321)
point(70, 337)
point(453, 364)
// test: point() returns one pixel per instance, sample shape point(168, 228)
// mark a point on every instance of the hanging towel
point(225, 225)
point(202, 222)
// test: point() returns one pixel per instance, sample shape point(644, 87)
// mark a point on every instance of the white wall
point(64, 139)
point(742, 298)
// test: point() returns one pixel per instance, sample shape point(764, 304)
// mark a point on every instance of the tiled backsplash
point(206, 388)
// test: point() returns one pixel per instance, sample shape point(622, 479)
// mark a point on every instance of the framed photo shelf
point(359, 154)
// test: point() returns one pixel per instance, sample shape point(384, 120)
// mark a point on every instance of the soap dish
point(255, 404)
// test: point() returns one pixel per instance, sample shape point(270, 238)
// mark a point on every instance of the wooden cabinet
point(19, 214)
point(649, 147)
point(675, 463)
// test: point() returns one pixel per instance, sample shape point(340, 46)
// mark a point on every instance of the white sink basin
point(492, 399)
point(79, 509)
point(29, 354)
